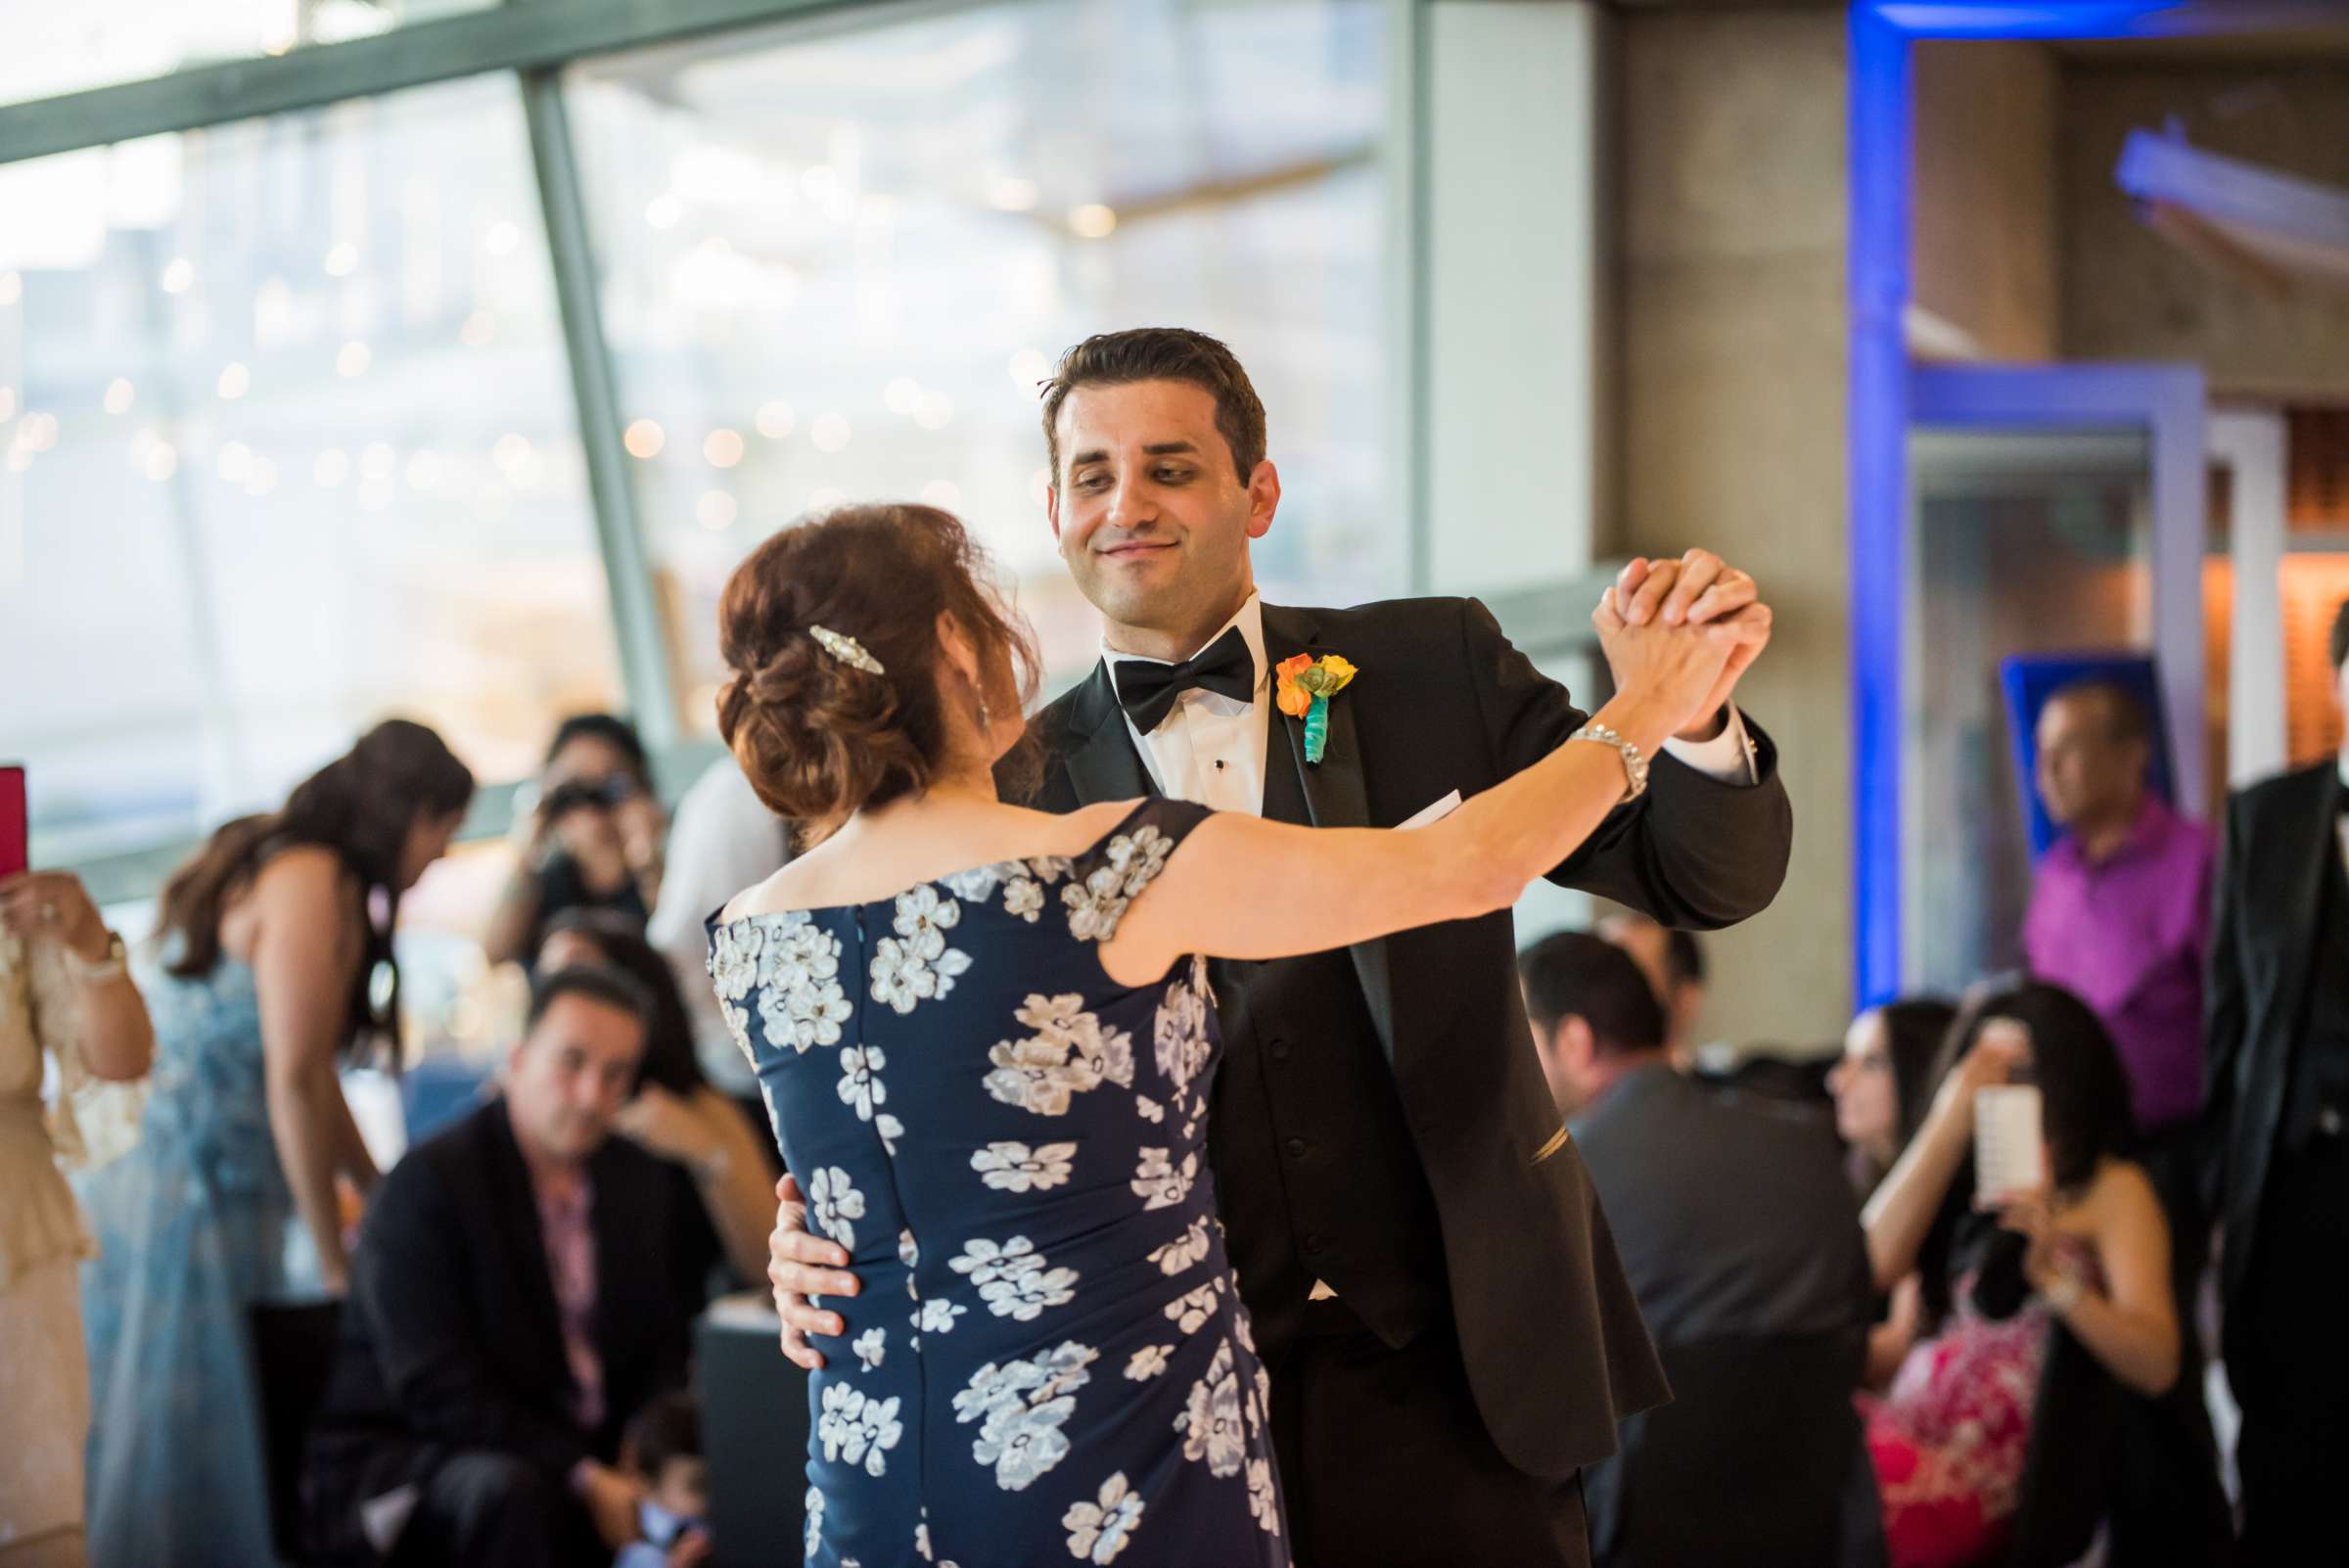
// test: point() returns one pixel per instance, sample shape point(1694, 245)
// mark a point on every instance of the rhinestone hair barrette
point(847, 650)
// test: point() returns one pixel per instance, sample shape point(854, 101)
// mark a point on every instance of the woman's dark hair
point(818, 736)
point(669, 1058)
point(2086, 1114)
point(614, 731)
point(1917, 1029)
point(361, 805)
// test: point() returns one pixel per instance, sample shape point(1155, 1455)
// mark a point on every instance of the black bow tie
point(1148, 691)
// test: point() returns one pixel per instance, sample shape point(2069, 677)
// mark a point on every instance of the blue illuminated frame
point(1877, 417)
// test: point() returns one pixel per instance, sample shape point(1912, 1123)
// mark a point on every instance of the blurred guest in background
point(1675, 965)
point(1743, 1242)
point(2120, 917)
point(2051, 1327)
point(2277, 1142)
point(663, 1450)
point(674, 1113)
point(525, 1283)
point(722, 841)
point(275, 952)
point(66, 998)
point(1882, 1084)
point(592, 842)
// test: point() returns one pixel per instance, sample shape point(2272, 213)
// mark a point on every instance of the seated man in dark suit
point(1742, 1241)
point(524, 1282)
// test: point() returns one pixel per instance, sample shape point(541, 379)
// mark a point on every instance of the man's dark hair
point(1162, 354)
point(2341, 635)
point(2125, 717)
point(610, 728)
point(1572, 974)
point(667, 1428)
point(596, 982)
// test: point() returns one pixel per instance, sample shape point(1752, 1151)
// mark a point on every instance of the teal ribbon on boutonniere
point(1307, 684)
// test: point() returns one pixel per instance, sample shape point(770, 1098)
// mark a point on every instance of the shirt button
point(1314, 1246)
point(1296, 1147)
point(1280, 1050)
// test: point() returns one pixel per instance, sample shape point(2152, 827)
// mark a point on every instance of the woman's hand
point(2000, 1049)
point(2030, 1214)
point(1675, 667)
point(34, 905)
point(660, 1123)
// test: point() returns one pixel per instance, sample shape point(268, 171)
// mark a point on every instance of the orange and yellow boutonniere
point(1307, 684)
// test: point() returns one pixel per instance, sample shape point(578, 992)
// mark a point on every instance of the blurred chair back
point(1751, 1464)
point(293, 1356)
point(753, 1436)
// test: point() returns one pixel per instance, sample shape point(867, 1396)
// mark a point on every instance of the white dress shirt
point(1211, 749)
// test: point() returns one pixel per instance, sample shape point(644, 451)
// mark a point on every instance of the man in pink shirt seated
point(2120, 914)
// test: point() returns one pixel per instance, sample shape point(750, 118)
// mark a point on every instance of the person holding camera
point(593, 841)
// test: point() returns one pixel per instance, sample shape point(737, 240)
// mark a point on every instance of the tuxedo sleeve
point(414, 1279)
point(1695, 852)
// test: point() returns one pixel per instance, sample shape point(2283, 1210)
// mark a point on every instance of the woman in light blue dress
point(262, 975)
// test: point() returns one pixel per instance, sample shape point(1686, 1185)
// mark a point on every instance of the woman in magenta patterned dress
point(985, 1040)
point(2089, 1254)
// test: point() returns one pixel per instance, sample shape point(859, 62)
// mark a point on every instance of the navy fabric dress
point(1048, 1360)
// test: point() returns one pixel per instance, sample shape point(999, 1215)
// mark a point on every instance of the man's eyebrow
point(1099, 454)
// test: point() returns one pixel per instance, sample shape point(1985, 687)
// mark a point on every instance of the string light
point(716, 509)
point(354, 358)
point(118, 395)
point(830, 433)
point(774, 420)
point(644, 439)
point(342, 259)
point(1092, 221)
point(332, 468)
point(179, 275)
point(233, 381)
point(722, 447)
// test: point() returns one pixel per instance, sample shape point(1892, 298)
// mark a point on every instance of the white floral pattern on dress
point(1021, 1407)
point(916, 964)
point(1190, 1310)
point(937, 1315)
point(1099, 1530)
point(1016, 1168)
point(1209, 1424)
point(860, 1085)
point(1014, 1279)
point(871, 1347)
point(1070, 1053)
point(834, 1201)
point(1162, 1184)
point(1180, 1033)
point(1261, 1501)
point(1131, 863)
point(857, 1430)
point(1147, 1363)
point(1150, 1109)
point(1183, 1251)
point(813, 1531)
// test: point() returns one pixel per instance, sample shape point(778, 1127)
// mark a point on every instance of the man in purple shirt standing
point(2121, 912)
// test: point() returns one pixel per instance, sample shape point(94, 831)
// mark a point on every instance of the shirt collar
point(2149, 831)
point(1250, 619)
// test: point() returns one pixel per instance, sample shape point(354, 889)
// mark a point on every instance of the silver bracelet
point(1634, 765)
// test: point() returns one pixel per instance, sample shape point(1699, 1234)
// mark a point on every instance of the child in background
point(663, 1447)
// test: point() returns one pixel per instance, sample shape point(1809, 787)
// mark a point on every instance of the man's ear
point(1577, 1044)
point(1052, 509)
point(1264, 498)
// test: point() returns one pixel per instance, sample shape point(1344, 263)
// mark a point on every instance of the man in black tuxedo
point(525, 1284)
point(1449, 1334)
point(2275, 1124)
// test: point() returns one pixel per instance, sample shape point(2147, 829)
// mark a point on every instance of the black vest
point(2320, 1059)
point(1306, 1107)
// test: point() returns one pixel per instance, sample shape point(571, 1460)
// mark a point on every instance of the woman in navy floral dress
point(986, 1038)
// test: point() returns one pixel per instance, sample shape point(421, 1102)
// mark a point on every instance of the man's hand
point(611, 1499)
point(803, 1268)
point(1700, 589)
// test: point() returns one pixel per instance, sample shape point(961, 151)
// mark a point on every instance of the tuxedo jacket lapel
point(2317, 851)
point(1335, 791)
point(1101, 761)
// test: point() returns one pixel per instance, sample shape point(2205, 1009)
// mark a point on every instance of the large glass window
point(836, 264)
point(286, 445)
point(54, 48)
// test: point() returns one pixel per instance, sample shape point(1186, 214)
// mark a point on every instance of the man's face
point(570, 1076)
point(2084, 771)
point(1151, 515)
